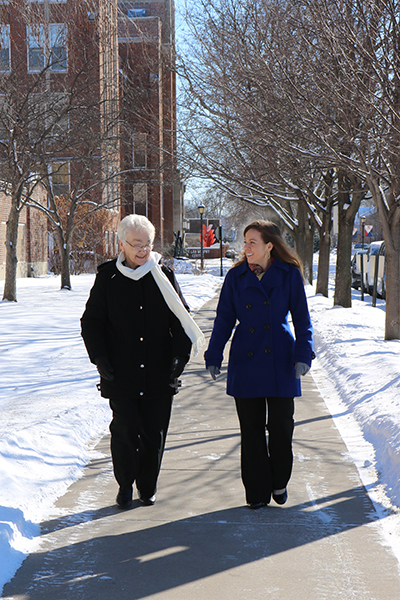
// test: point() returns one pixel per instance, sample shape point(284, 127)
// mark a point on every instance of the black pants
point(266, 463)
point(138, 432)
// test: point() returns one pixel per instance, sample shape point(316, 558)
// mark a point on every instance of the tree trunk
point(10, 283)
point(65, 251)
point(392, 325)
point(300, 232)
point(343, 264)
point(309, 253)
point(324, 254)
point(349, 199)
point(391, 236)
point(323, 265)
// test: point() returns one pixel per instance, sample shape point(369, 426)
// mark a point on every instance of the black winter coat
point(130, 323)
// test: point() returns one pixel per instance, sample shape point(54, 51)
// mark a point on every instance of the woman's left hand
point(177, 366)
point(214, 371)
point(301, 369)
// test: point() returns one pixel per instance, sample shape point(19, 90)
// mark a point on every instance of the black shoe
point(147, 501)
point(280, 498)
point(256, 505)
point(124, 497)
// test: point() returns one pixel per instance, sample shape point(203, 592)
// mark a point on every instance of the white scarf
point(172, 299)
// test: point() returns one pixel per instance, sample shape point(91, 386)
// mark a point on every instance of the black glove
point(175, 384)
point(177, 366)
point(104, 368)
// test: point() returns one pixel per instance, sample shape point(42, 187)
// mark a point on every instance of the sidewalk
point(199, 541)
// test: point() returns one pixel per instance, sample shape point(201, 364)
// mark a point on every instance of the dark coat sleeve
point(223, 325)
point(94, 319)
point(303, 349)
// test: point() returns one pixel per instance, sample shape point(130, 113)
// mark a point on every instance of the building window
point(47, 46)
point(5, 116)
point(140, 199)
point(111, 187)
point(48, 112)
point(57, 115)
point(58, 46)
point(107, 241)
point(5, 63)
point(60, 179)
point(136, 12)
point(139, 150)
point(36, 44)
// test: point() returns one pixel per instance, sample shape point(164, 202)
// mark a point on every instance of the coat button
point(248, 305)
point(267, 350)
point(252, 330)
point(266, 326)
point(250, 354)
point(266, 302)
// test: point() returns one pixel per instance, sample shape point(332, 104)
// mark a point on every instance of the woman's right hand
point(104, 368)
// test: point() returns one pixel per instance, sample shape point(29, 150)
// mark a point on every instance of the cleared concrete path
point(199, 541)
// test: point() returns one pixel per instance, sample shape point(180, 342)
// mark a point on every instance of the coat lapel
point(272, 278)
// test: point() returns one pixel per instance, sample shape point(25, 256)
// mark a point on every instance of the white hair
point(138, 223)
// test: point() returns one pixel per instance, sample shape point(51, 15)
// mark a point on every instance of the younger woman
point(265, 360)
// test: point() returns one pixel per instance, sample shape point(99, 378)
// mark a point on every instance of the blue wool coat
point(263, 349)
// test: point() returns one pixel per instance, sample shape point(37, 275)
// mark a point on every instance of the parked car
point(381, 287)
point(361, 245)
point(355, 272)
point(231, 253)
point(376, 250)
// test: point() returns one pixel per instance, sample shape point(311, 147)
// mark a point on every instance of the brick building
point(146, 37)
point(32, 238)
point(131, 81)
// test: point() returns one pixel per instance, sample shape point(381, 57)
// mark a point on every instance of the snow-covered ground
point(52, 415)
point(358, 375)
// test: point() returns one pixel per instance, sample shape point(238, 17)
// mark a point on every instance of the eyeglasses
point(139, 247)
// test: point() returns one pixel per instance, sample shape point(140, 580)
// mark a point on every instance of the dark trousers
point(266, 463)
point(138, 432)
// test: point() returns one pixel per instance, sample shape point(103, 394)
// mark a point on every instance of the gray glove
point(214, 371)
point(301, 369)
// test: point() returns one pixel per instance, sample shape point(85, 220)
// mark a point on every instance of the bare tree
point(59, 121)
point(241, 130)
point(282, 90)
point(351, 49)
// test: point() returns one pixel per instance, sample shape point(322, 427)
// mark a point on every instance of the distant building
point(134, 74)
point(32, 238)
point(146, 36)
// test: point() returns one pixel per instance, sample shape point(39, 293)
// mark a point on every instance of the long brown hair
point(271, 233)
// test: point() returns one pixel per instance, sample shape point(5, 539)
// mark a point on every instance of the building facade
point(146, 37)
point(32, 248)
point(101, 74)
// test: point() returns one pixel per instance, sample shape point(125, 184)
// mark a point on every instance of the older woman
point(266, 360)
point(138, 332)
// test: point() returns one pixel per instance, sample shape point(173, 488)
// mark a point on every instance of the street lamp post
point(201, 208)
point(362, 257)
